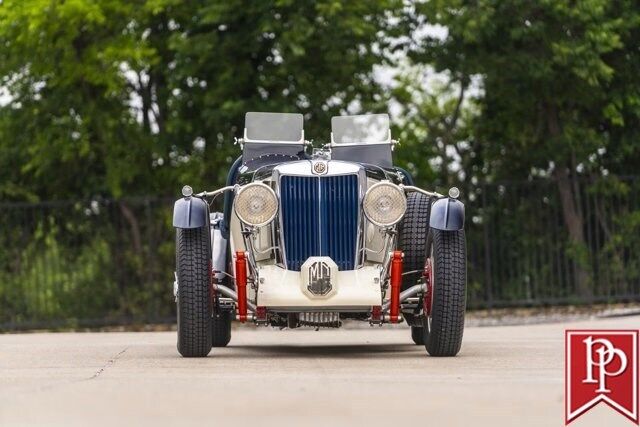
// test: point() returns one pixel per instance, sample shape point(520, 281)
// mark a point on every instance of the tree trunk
point(571, 209)
point(128, 214)
point(574, 222)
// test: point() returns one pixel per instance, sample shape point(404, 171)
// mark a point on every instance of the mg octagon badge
point(319, 276)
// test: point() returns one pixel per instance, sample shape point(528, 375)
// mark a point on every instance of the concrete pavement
point(504, 376)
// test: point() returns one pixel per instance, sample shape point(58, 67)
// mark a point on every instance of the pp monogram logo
point(601, 366)
point(606, 353)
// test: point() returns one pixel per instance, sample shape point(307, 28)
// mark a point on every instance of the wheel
point(194, 294)
point(412, 237)
point(445, 302)
point(417, 335)
point(221, 328)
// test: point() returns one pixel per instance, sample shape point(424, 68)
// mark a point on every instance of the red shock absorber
point(241, 284)
point(396, 283)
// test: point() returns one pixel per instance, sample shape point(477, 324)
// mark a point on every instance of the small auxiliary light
point(187, 191)
point(454, 193)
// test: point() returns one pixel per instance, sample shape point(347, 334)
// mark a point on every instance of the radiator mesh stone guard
point(320, 218)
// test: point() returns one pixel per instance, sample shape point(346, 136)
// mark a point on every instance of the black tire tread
point(412, 236)
point(449, 296)
point(194, 299)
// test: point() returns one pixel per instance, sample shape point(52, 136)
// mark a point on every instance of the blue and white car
point(313, 237)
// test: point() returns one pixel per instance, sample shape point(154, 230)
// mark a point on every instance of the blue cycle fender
point(447, 214)
point(190, 212)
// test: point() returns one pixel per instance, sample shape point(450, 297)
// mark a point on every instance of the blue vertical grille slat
point(319, 218)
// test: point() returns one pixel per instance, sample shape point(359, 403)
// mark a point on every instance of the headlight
point(384, 204)
point(256, 204)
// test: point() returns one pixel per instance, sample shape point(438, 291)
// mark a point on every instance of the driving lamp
point(256, 204)
point(384, 204)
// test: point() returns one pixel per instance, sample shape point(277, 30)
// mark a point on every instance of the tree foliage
point(556, 78)
point(138, 97)
point(559, 97)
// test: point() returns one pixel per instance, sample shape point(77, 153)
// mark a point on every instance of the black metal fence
point(111, 261)
point(521, 254)
point(86, 263)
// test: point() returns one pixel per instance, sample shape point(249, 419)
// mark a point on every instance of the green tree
point(235, 56)
point(116, 97)
point(559, 92)
point(68, 131)
point(435, 128)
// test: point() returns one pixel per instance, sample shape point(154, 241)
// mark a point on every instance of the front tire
point(444, 327)
point(194, 293)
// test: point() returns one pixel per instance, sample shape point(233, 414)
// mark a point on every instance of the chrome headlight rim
point(271, 193)
point(369, 193)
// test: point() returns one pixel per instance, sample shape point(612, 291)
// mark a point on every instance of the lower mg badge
point(318, 275)
point(319, 278)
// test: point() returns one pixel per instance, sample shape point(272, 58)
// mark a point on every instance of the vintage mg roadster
point(312, 237)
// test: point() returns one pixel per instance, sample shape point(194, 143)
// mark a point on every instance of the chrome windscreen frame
point(335, 168)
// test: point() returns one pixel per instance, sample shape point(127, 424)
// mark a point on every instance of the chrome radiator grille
point(319, 218)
